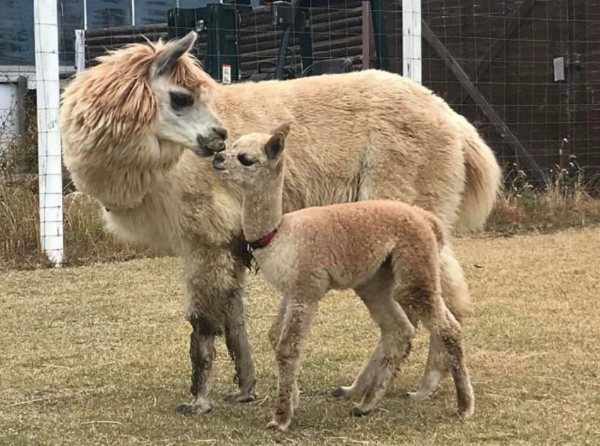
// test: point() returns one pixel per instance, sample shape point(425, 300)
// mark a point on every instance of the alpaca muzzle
point(218, 161)
point(211, 144)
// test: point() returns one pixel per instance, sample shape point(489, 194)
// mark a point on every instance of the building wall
point(16, 23)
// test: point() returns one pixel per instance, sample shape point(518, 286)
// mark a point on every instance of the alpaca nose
point(218, 160)
point(221, 132)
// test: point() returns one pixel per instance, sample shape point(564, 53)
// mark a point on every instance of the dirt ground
point(97, 355)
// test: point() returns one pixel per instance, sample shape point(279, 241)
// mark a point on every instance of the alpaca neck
point(262, 210)
point(124, 186)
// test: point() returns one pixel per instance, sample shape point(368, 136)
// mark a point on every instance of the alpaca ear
point(274, 146)
point(167, 60)
point(282, 130)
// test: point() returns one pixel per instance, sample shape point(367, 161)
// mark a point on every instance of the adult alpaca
point(127, 122)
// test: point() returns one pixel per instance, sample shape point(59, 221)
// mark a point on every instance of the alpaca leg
point(202, 354)
point(446, 336)
point(435, 371)
point(449, 331)
point(457, 299)
point(396, 333)
point(277, 326)
point(274, 336)
point(364, 378)
point(240, 351)
point(289, 351)
point(380, 285)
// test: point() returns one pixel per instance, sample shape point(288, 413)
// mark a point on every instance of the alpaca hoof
point(464, 413)
point(198, 406)
point(358, 412)
point(416, 397)
point(276, 426)
point(239, 397)
point(191, 409)
point(338, 393)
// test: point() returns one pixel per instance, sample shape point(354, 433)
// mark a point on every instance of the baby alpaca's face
point(252, 158)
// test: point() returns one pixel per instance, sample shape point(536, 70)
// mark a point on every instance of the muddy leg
point(202, 355)
point(240, 351)
point(289, 357)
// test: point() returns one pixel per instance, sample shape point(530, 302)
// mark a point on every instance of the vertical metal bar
point(133, 12)
point(367, 34)
point(49, 149)
point(85, 17)
point(411, 40)
point(381, 49)
point(79, 50)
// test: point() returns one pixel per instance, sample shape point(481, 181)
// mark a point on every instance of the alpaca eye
point(245, 160)
point(180, 100)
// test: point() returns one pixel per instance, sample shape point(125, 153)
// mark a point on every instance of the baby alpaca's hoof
point(358, 412)
point(338, 393)
point(276, 426)
point(416, 397)
point(239, 397)
point(464, 414)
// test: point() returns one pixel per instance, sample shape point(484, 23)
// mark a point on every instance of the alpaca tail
point(435, 224)
point(455, 291)
point(454, 286)
point(482, 183)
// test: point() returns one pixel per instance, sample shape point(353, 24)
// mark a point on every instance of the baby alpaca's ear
point(274, 146)
point(282, 130)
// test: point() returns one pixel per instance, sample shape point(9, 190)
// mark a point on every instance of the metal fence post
point(411, 40)
point(49, 149)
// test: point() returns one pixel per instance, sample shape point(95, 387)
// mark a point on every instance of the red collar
point(262, 242)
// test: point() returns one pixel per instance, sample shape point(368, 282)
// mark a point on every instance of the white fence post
point(411, 40)
point(79, 50)
point(49, 151)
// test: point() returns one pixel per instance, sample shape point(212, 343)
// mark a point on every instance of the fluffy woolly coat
point(356, 136)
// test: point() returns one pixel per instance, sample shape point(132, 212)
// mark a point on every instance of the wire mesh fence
point(526, 73)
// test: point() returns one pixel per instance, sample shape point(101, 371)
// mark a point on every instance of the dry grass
point(570, 200)
point(98, 355)
point(85, 237)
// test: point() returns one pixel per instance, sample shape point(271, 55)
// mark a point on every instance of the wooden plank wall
point(518, 81)
point(336, 32)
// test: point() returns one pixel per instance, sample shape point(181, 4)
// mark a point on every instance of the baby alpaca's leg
point(456, 298)
point(396, 333)
point(449, 331)
point(296, 325)
point(446, 331)
point(364, 378)
point(275, 335)
point(435, 371)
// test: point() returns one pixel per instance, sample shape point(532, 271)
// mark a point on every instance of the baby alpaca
point(387, 252)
